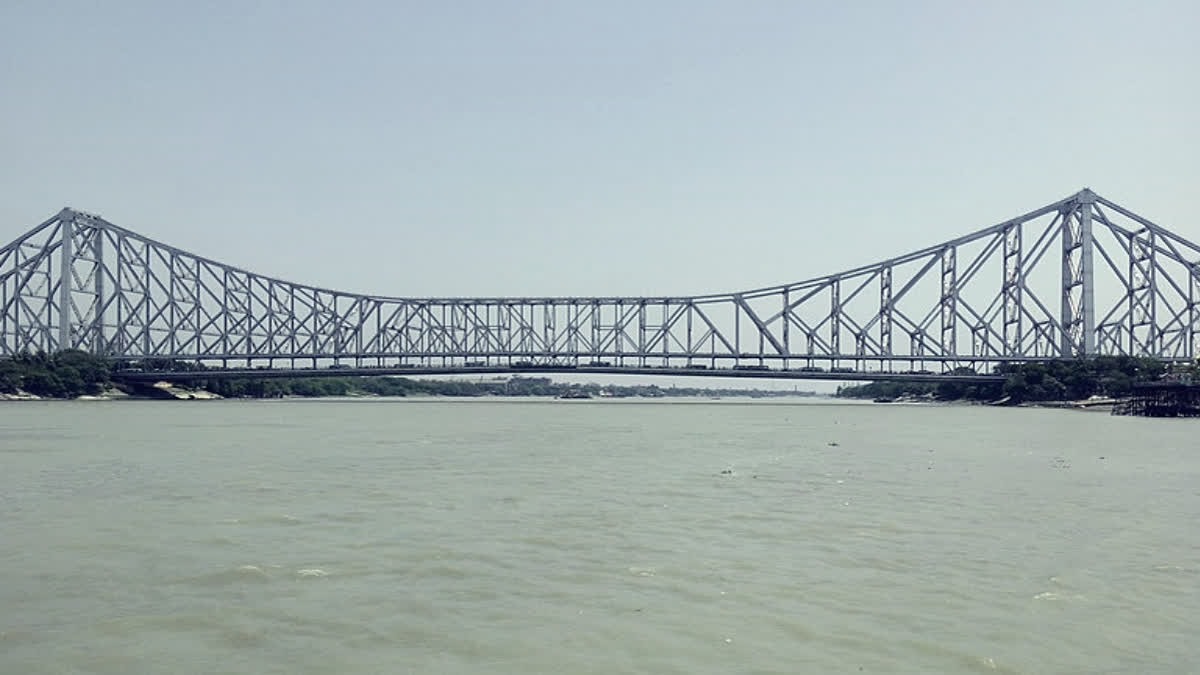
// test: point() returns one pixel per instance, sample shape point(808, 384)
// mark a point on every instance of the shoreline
point(201, 395)
point(164, 391)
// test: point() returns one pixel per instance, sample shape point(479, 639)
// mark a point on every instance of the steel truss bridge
point(1077, 278)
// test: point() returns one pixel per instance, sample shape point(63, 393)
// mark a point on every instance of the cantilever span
point(1079, 277)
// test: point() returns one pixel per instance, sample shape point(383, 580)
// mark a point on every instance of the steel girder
point(79, 281)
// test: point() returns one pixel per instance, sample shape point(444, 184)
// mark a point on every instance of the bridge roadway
point(856, 376)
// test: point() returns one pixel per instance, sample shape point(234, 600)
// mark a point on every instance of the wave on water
point(282, 519)
point(252, 574)
point(233, 575)
point(273, 519)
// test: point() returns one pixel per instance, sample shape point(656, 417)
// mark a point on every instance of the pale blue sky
point(563, 148)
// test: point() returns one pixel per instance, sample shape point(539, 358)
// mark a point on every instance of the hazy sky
point(572, 148)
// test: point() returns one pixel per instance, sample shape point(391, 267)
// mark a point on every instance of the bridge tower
point(1078, 281)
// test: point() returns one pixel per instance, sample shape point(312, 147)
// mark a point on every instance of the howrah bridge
point(1077, 278)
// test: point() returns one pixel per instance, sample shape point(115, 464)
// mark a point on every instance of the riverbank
point(75, 375)
point(184, 394)
point(167, 392)
point(1093, 404)
point(158, 391)
point(1067, 383)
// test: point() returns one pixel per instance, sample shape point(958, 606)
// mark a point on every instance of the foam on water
point(232, 575)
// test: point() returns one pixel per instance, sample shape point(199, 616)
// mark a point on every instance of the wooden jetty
point(1161, 399)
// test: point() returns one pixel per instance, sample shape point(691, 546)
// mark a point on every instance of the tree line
point(65, 374)
point(73, 373)
point(1061, 380)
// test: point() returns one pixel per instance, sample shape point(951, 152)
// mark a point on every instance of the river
point(462, 536)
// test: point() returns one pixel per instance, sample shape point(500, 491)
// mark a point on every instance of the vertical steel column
point(447, 329)
point(573, 327)
point(504, 320)
point(784, 317)
point(225, 290)
point(522, 331)
point(835, 321)
point(4, 311)
point(548, 327)
point(66, 274)
point(949, 300)
point(98, 341)
point(359, 320)
point(484, 341)
point(173, 320)
point(379, 343)
point(294, 325)
point(689, 348)
point(642, 333)
point(1193, 345)
point(619, 334)
point(1078, 314)
point(1087, 271)
point(273, 324)
point(737, 331)
point(119, 328)
point(196, 308)
point(885, 312)
point(147, 279)
point(1011, 290)
point(46, 339)
point(594, 348)
point(666, 327)
point(1154, 339)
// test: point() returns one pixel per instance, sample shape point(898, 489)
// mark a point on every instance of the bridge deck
point(858, 376)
